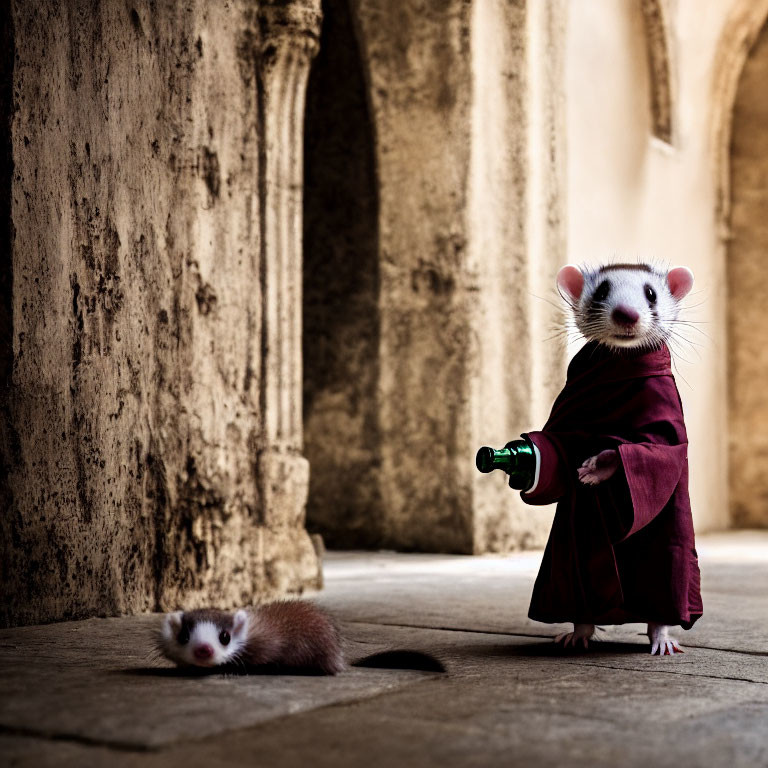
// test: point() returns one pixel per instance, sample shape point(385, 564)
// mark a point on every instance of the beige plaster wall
point(632, 196)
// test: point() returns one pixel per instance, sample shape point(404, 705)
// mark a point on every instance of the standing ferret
point(291, 634)
point(613, 454)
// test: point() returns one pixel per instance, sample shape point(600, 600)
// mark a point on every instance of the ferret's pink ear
point(240, 622)
point(571, 282)
point(680, 281)
point(172, 622)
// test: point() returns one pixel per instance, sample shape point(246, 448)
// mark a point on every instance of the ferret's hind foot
point(661, 642)
point(581, 633)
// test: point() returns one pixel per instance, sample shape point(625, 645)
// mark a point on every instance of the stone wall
point(747, 272)
point(472, 106)
point(153, 300)
point(419, 280)
point(517, 221)
point(419, 65)
point(151, 445)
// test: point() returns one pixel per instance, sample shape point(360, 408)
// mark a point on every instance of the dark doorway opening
point(341, 291)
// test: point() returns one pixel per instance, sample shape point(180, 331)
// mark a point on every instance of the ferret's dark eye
point(183, 637)
point(601, 294)
point(224, 637)
point(650, 294)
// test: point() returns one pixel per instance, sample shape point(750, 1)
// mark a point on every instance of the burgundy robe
point(622, 551)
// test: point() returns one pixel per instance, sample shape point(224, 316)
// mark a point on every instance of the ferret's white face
point(625, 305)
point(203, 638)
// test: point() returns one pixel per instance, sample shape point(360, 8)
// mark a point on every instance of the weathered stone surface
point(516, 224)
point(418, 343)
point(505, 699)
point(20, 751)
point(430, 591)
point(97, 681)
point(149, 456)
point(748, 294)
point(150, 312)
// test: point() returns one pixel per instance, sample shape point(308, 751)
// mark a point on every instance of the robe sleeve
point(652, 471)
point(552, 470)
point(654, 452)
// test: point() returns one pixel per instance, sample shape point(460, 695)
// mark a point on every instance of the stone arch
point(660, 69)
point(739, 35)
point(341, 290)
point(745, 201)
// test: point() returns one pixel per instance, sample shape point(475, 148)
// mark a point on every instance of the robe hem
point(557, 618)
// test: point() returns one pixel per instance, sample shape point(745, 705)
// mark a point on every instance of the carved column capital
point(290, 23)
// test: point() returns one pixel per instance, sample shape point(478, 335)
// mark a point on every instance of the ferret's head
point(625, 305)
point(203, 638)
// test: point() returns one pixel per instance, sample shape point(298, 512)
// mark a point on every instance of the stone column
point(150, 177)
point(517, 222)
point(290, 34)
point(468, 110)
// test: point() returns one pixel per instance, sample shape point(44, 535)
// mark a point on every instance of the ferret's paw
point(591, 476)
point(661, 642)
point(581, 633)
point(588, 472)
point(598, 469)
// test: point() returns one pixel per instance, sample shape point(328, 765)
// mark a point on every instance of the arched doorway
point(341, 290)
point(747, 280)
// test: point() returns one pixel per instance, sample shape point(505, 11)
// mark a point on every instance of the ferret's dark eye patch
point(601, 294)
point(224, 637)
point(183, 637)
point(650, 294)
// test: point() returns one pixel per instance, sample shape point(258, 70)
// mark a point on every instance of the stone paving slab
point(494, 709)
point(94, 681)
point(492, 593)
point(461, 652)
point(34, 752)
point(88, 693)
point(367, 734)
point(351, 736)
point(509, 702)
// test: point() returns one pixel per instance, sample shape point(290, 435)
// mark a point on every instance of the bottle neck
point(516, 458)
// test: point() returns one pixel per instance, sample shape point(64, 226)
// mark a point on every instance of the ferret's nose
point(203, 651)
point(624, 315)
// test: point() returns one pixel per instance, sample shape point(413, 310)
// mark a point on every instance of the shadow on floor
point(398, 659)
point(401, 659)
point(193, 672)
point(550, 649)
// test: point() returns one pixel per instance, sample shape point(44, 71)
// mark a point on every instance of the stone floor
point(88, 693)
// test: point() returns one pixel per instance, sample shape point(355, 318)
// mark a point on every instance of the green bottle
point(517, 459)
